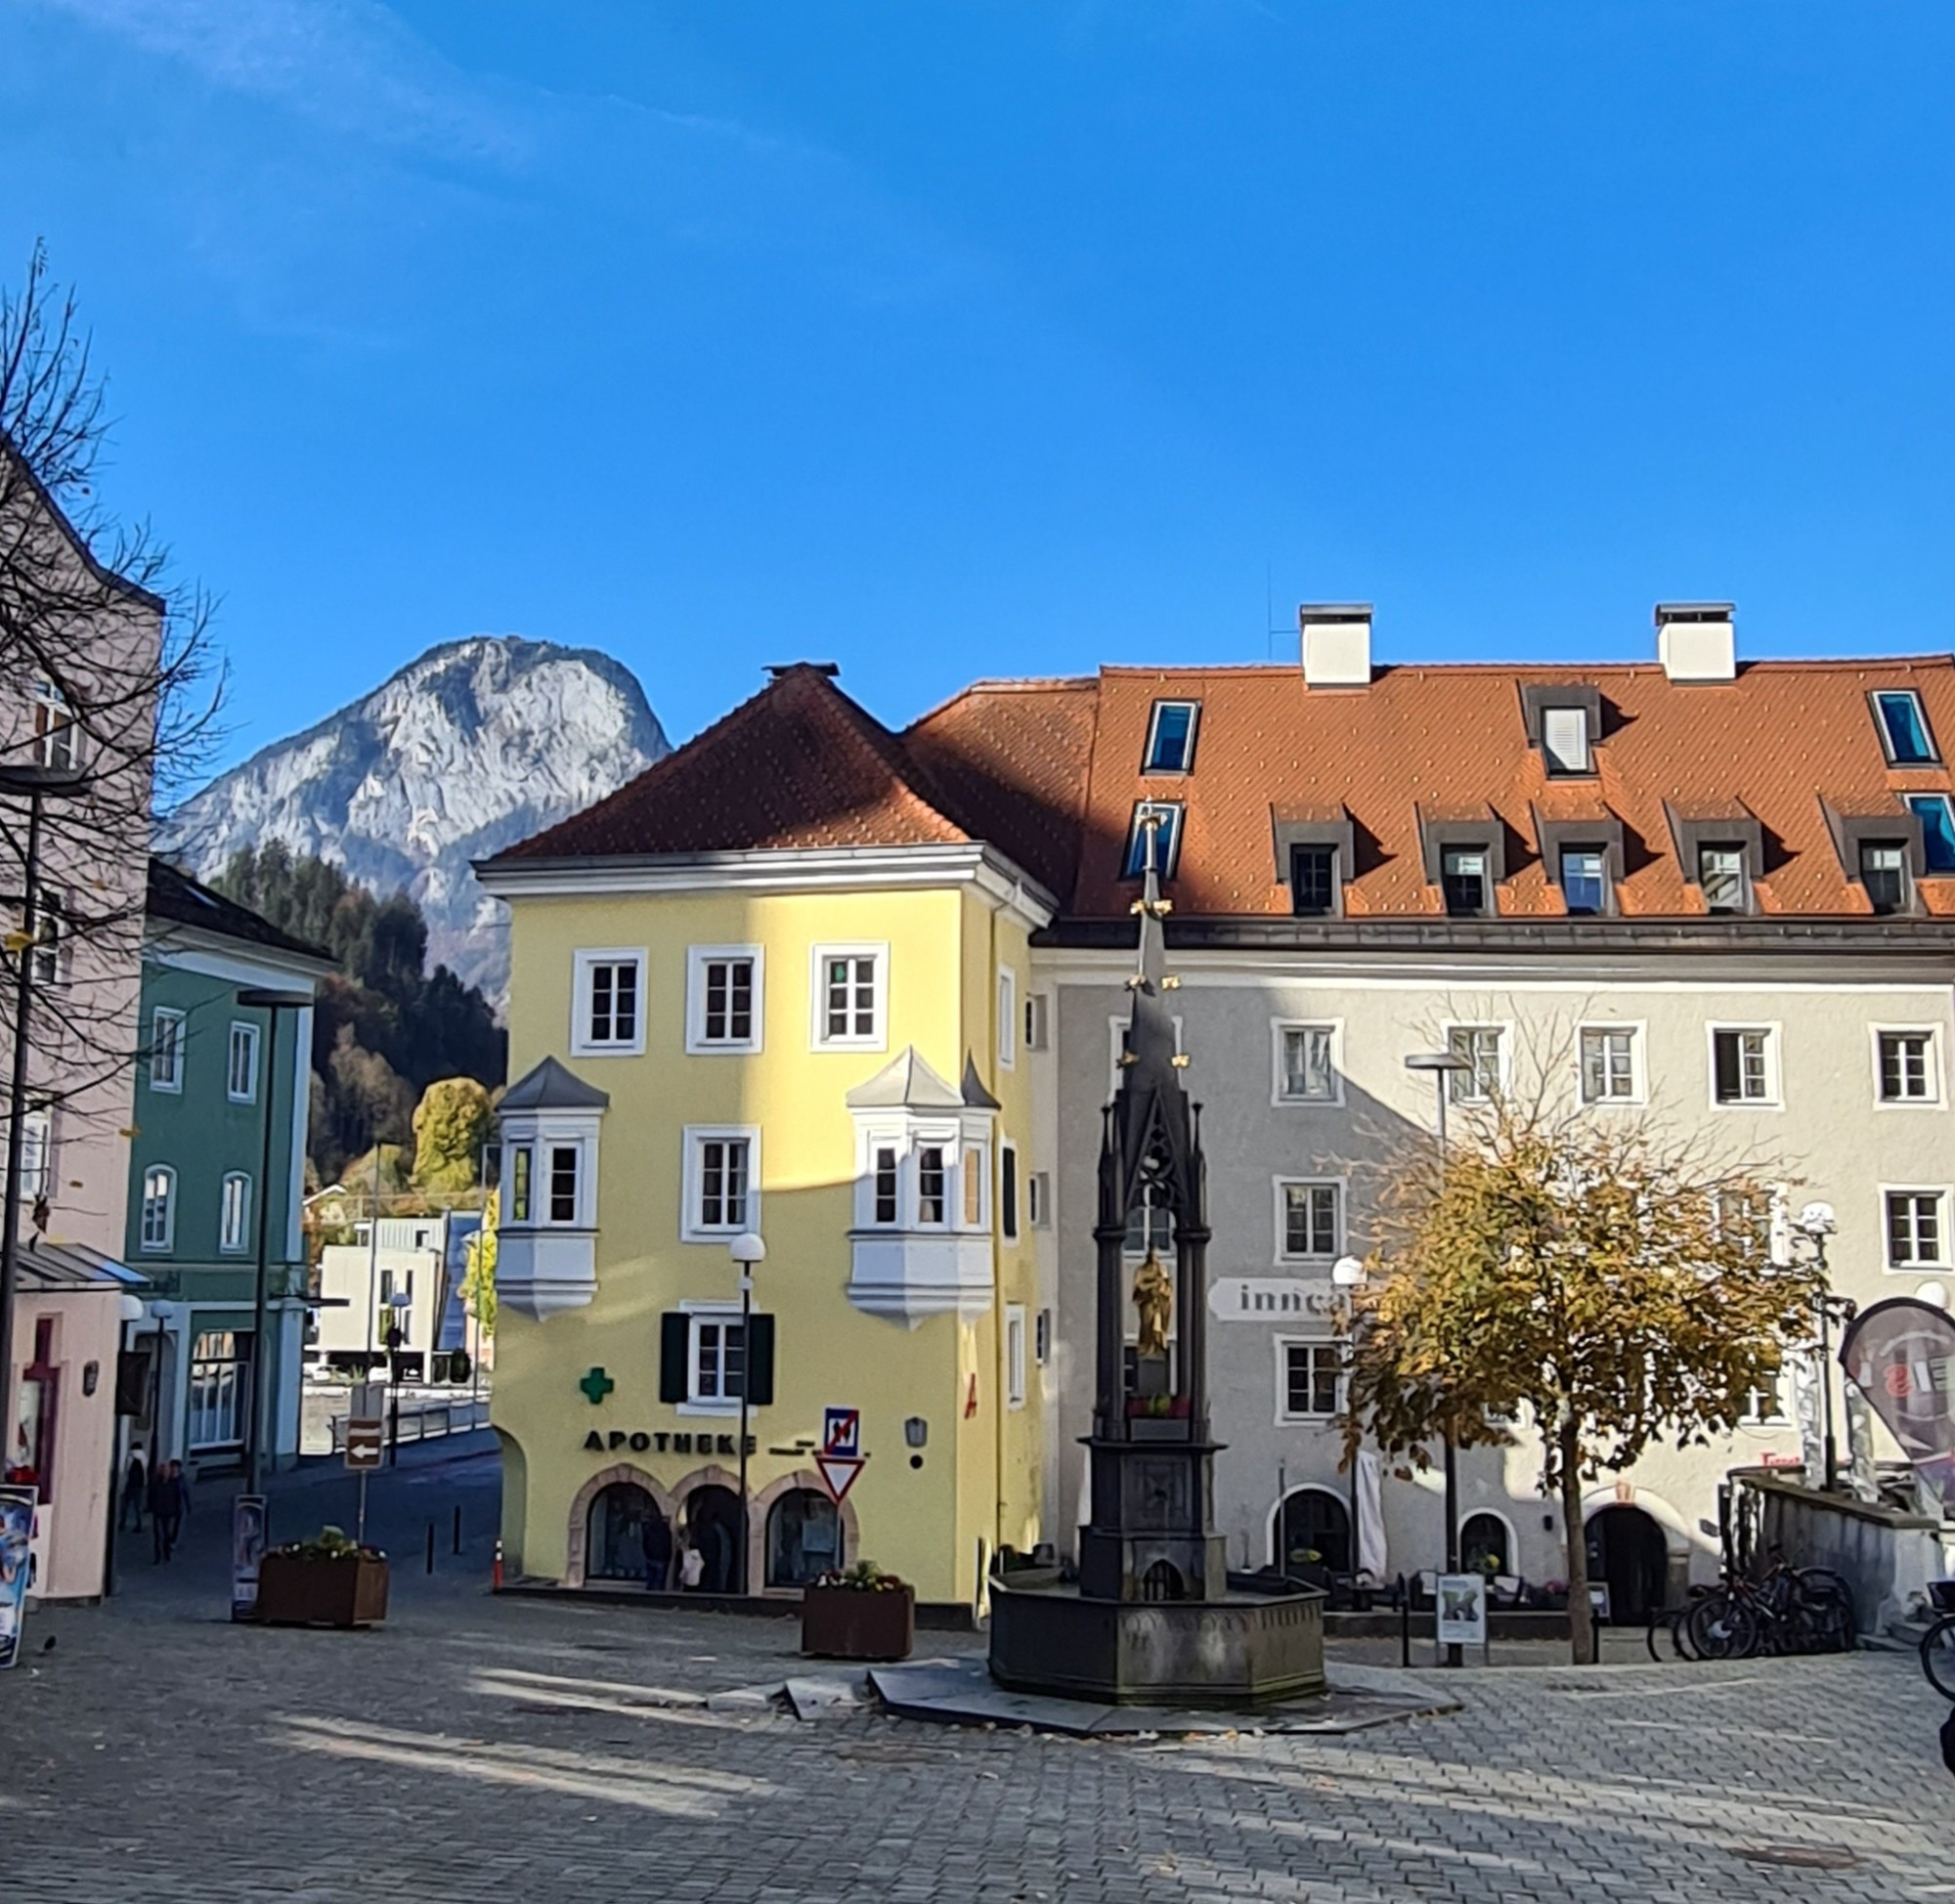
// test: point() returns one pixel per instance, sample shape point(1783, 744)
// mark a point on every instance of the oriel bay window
point(545, 1257)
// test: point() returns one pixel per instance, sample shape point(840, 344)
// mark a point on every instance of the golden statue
point(1153, 1297)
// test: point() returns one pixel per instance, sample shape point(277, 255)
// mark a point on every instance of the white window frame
point(1038, 1198)
point(1780, 1415)
point(1285, 1415)
point(1016, 1357)
point(1038, 1021)
point(1011, 1210)
point(249, 1095)
point(584, 962)
point(946, 1143)
point(726, 1314)
point(1457, 1081)
point(58, 744)
point(697, 1136)
point(1934, 1098)
point(1943, 1262)
point(1774, 1098)
point(168, 1077)
point(1340, 1223)
point(1557, 760)
point(1278, 1029)
point(1638, 1063)
point(817, 987)
point(971, 1175)
point(235, 1242)
point(1147, 768)
point(1878, 695)
point(1167, 839)
point(1008, 1019)
point(543, 1175)
point(697, 1043)
point(163, 1244)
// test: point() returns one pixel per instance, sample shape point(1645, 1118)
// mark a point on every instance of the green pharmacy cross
point(597, 1385)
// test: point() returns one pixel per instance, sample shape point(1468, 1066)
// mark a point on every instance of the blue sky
point(944, 340)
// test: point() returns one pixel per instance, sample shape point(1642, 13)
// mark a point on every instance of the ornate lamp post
point(747, 1250)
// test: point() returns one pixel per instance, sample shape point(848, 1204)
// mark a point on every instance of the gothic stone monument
point(1152, 1620)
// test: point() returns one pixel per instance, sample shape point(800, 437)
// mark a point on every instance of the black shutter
point(760, 1361)
point(1008, 1192)
point(673, 1346)
point(1724, 1045)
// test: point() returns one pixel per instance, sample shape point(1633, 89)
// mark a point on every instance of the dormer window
point(1313, 881)
point(1462, 880)
point(1884, 873)
point(1564, 719)
point(1585, 880)
point(1905, 735)
point(1171, 737)
point(1720, 878)
point(1166, 837)
point(1564, 739)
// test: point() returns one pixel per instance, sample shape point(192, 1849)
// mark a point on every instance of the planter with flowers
point(327, 1580)
point(860, 1614)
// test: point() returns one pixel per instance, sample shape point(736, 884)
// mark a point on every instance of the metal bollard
point(1404, 1622)
point(430, 1548)
point(495, 1569)
point(458, 1527)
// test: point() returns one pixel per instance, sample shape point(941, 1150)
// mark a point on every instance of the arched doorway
point(1483, 1538)
point(1628, 1549)
point(1313, 1522)
point(713, 1525)
point(802, 1528)
point(614, 1541)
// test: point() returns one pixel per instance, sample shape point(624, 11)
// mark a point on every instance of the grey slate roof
point(551, 1086)
point(183, 901)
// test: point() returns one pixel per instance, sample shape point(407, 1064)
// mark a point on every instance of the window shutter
point(674, 1342)
point(760, 1360)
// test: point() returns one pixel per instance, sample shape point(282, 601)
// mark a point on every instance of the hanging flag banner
point(1901, 1355)
point(17, 1538)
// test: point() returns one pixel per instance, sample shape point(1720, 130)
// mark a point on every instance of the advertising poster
point(1463, 1610)
point(248, 1549)
point(16, 1535)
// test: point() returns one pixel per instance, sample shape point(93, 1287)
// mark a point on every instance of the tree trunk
point(1580, 1618)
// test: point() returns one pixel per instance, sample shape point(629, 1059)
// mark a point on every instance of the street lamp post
point(1815, 1224)
point(37, 783)
point(271, 1003)
point(1347, 1277)
point(747, 1249)
point(1444, 1066)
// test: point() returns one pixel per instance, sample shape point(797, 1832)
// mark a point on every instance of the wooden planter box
point(296, 1591)
point(846, 1623)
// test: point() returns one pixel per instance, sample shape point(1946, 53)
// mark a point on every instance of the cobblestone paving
point(477, 1748)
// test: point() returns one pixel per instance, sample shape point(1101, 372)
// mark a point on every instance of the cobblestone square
point(476, 1747)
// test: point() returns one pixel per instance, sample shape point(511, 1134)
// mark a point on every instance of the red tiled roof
point(1049, 772)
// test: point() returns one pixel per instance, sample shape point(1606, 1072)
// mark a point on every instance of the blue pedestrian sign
point(842, 1432)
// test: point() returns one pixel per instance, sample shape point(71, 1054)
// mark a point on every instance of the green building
point(213, 1072)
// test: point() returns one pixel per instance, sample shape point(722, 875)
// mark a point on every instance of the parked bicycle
point(1937, 1644)
point(1790, 1610)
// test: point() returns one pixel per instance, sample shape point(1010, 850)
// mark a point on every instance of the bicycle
point(1804, 1610)
point(1937, 1644)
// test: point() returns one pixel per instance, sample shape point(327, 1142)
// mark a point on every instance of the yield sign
point(838, 1473)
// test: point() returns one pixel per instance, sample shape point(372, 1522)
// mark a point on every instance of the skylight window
point(1904, 730)
point(1171, 737)
point(1937, 830)
point(1166, 838)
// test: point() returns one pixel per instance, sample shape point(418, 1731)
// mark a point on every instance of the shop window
point(614, 1534)
point(219, 1383)
point(803, 1536)
point(1484, 1545)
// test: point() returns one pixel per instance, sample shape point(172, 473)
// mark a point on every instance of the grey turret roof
point(976, 1096)
point(551, 1086)
point(907, 1083)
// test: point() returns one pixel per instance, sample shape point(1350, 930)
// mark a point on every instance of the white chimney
point(1336, 643)
point(1696, 641)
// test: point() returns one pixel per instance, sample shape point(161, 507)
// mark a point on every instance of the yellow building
point(772, 986)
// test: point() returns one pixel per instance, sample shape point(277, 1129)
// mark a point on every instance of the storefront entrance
point(803, 1528)
point(1313, 1522)
point(615, 1534)
point(1627, 1550)
point(711, 1518)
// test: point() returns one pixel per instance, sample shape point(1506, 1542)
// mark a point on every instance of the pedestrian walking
point(135, 1490)
point(658, 1552)
point(691, 1569)
point(169, 1502)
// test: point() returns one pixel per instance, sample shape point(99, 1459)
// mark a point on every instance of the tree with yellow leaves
point(478, 1280)
point(1580, 1271)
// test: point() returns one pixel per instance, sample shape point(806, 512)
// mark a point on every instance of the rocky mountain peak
point(476, 744)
